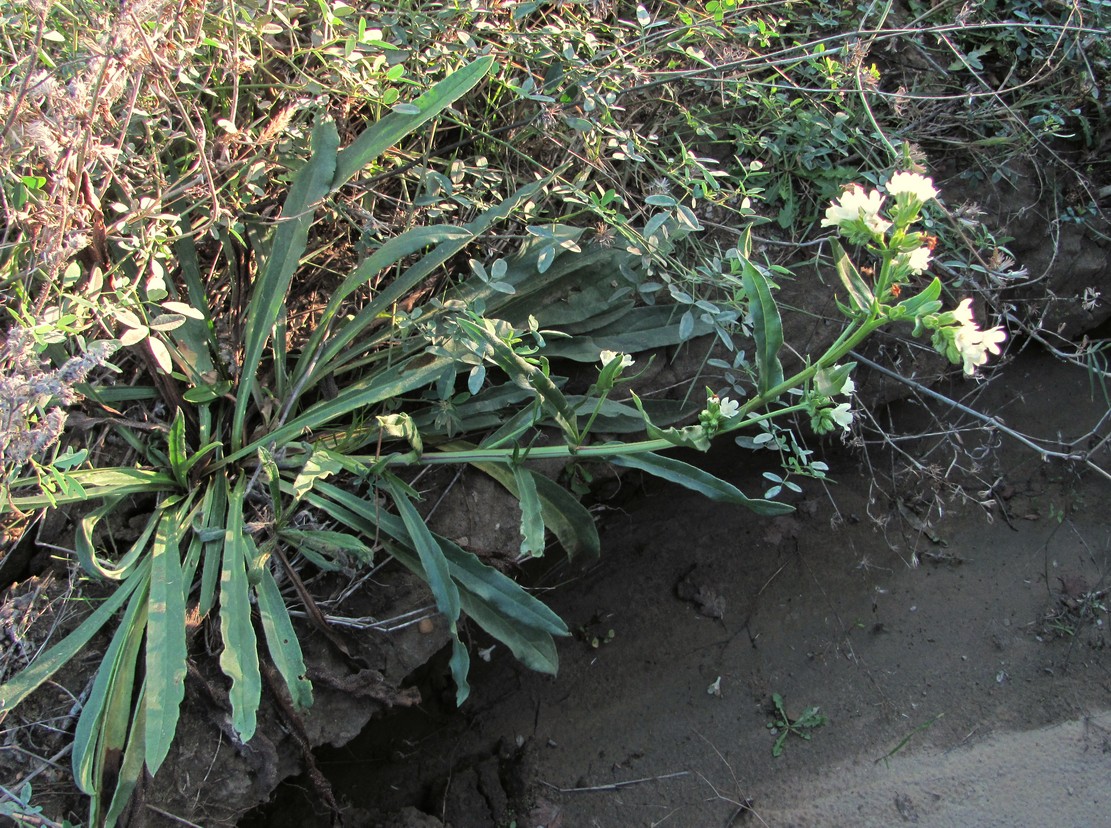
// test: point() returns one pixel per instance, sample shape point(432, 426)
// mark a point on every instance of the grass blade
point(697, 480)
point(166, 646)
point(89, 734)
point(431, 555)
point(132, 766)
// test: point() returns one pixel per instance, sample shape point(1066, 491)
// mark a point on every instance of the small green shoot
point(782, 725)
point(903, 742)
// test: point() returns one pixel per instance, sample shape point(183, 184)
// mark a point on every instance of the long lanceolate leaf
point(239, 658)
point(311, 184)
point(438, 576)
point(498, 604)
point(568, 519)
point(384, 385)
point(485, 582)
point(281, 639)
point(166, 647)
point(699, 481)
point(99, 724)
point(395, 126)
point(532, 518)
point(96, 484)
point(431, 555)
point(767, 327)
point(325, 351)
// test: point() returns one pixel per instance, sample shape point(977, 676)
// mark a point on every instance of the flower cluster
point(825, 413)
point(717, 411)
point(959, 338)
point(857, 216)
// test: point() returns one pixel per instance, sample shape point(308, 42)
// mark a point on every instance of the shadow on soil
point(937, 648)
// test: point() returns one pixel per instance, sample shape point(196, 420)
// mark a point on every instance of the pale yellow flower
point(913, 184)
point(857, 205)
point(916, 260)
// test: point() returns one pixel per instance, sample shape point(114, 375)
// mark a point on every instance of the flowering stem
point(848, 340)
point(459, 452)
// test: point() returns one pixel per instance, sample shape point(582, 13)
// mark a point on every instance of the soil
point(956, 647)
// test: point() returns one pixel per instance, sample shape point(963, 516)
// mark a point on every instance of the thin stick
point(615, 786)
point(1082, 457)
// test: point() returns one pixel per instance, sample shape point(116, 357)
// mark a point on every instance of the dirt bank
point(946, 644)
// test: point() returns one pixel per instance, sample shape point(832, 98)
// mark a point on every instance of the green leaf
point(438, 576)
point(534, 648)
point(332, 544)
point(311, 184)
point(176, 449)
point(326, 349)
point(86, 549)
point(393, 127)
point(384, 385)
point(532, 518)
point(526, 375)
point(510, 599)
point(924, 302)
point(432, 558)
point(132, 766)
point(693, 436)
point(859, 292)
point(767, 327)
point(320, 465)
point(239, 658)
point(568, 519)
point(213, 514)
point(166, 647)
point(95, 484)
point(697, 480)
point(401, 427)
point(498, 604)
point(104, 717)
point(273, 479)
point(281, 639)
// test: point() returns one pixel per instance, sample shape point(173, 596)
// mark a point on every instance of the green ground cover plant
point(289, 256)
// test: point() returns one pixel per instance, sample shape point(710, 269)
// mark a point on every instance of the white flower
point(728, 407)
point(842, 415)
point(912, 184)
point(916, 260)
point(963, 314)
point(606, 357)
point(857, 205)
point(973, 344)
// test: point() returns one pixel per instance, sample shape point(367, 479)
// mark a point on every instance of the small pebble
point(426, 626)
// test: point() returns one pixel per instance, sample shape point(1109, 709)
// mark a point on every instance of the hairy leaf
point(166, 647)
point(239, 658)
point(281, 639)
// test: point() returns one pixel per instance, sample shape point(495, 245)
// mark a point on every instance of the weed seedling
point(783, 725)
